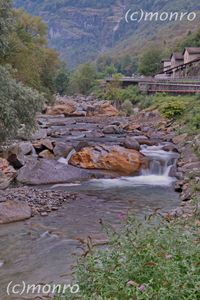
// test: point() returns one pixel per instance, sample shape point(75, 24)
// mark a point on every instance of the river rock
point(62, 149)
point(66, 109)
point(7, 173)
point(113, 158)
point(102, 108)
point(132, 127)
point(39, 134)
point(46, 154)
point(170, 148)
point(44, 171)
point(131, 143)
point(111, 129)
point(12, 211)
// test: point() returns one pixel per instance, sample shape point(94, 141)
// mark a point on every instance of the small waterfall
point(160, 164)
point(66, 160)
point(160, 161)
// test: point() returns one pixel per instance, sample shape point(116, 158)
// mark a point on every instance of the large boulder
point(113, 158)
point(7, 173)
point(13, 211)
point(66, 109)
point(44, 171)
point(102, 108)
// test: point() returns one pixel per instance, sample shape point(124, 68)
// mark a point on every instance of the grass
point(157, 260)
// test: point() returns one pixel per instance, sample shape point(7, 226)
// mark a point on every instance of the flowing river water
point(44, 249)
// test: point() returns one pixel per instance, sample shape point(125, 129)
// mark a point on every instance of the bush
point(115, 93)
point(173, 108)
point(127, 107)
point(170, 106)
point(18, 105)
point(143, 262)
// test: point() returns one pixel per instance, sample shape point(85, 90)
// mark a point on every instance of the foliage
point(149, 63)
point(36, 65)
point(149, 260)
point(6, 25)
point(107, 65)
point(127, 107)
point(114, 92)
point(83, 79)
point(62, 81)
point(18, 105)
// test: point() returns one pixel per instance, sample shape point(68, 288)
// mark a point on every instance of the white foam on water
point(161, 163)
point(64, 185)
point(152, 180)
point(65, 161)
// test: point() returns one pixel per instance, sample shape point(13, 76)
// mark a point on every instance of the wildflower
point(132, 283)
point(142, 288)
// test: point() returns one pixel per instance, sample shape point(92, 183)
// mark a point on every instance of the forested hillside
point(84, 29)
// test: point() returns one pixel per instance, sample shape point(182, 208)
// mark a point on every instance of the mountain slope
point(83, 29)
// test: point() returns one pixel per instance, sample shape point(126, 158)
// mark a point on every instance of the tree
point(83, 79)
point(62, 81)
point(18, 105)
point(149, 62)
point(6, 25)
point(35, 63)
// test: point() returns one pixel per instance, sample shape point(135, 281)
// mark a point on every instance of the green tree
point(149, 62)
point(62, 82)
point(6, 25)
point(18, 105)
point(83, 79)
point(35, 63)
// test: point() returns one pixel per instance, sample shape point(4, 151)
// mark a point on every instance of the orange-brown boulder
point(66, 109)
point(112, 158)
point(102, 109)
point(108, 109)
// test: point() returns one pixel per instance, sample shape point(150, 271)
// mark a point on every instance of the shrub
point(127, 107)
point(143, 262)
point(173, 108)
point(18, 105)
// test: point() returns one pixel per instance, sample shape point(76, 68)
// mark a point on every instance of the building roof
point(177, 56)
point(192, 50)
point(166, 60)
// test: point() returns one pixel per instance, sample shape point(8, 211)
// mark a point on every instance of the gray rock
point(62, 149)
point(13, 211)
point(170, 148)
point(111, 129)
point(43, 171)
point(131, 143)
point(39, 134)
point(26, 147)
point(7, 174)
point(16, 154)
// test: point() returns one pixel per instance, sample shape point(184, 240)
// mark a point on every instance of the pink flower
point(132, 283)
point(142, 288)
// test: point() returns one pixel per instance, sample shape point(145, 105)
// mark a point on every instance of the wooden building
point(191, 54)
point(176, 59)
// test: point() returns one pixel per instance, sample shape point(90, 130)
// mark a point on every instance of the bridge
point(166, 85)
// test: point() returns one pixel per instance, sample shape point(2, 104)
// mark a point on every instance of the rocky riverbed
point(81, 139)
point(86, 162)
